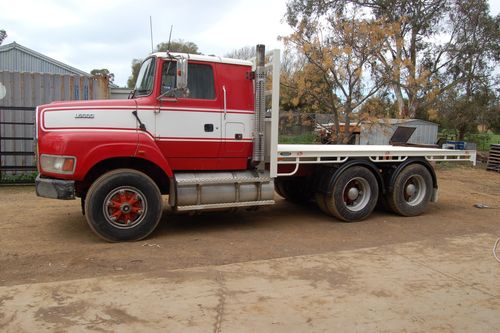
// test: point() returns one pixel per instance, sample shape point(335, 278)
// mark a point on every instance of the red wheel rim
point(125, 207)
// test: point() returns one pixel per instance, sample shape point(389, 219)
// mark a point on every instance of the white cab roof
point(198, 57)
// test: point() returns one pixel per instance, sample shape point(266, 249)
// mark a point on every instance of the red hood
point(92, 103)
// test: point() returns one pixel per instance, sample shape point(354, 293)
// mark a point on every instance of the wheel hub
point(414, 190)
point(124, 207)
point(353, 193)
point(356, 194)
point(411, 189)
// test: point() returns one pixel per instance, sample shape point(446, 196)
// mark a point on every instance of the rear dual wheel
point(123, 205)
point(411, 191)
point(353, 196)
point(293, 189)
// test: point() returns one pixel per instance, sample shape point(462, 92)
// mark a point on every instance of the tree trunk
point(400, 101)
point(412, 85)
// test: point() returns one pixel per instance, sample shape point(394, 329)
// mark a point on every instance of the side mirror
point(179, 75)
point(182, 74)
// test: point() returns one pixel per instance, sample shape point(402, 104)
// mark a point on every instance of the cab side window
point(200, 80)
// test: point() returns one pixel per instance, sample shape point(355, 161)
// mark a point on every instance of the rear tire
point(320, 201)
point(354, 195)
point(411, 191)
point(294, 189)
point(123, 205)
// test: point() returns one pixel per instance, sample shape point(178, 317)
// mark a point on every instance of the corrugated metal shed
point(17, 58)
point(379, 133)
point(28, 79)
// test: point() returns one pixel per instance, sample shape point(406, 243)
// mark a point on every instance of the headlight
point(58, 164)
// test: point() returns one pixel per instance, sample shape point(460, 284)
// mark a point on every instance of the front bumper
point(55, 188)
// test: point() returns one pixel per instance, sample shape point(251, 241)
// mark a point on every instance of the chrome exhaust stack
point(260, 108)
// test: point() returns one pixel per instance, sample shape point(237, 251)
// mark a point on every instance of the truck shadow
point(240, 219)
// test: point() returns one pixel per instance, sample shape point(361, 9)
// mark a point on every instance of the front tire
point(123, 205)
point(354, 195)
point(411, 191)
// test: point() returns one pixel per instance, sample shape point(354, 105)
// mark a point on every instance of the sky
point(108, 34)
point(95, 34)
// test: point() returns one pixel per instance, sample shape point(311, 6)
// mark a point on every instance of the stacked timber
point(494, 159)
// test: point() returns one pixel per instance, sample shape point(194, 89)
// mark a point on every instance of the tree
point(422, 43)
point(379, 106)
point(103, 73)
point(472, 100)
point(178, 46)
point(175, 46)
point(493, 117)
point(339, 54)
point(245, 53)
point(136, 66)
point(3, 35)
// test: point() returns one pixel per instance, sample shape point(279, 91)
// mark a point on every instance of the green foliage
point(26, 177)
point(136, 66)
point(3, 35)
point(104, 72)
point(492, 118)
point(483, 141)
point(178, 46)
point(464, 113)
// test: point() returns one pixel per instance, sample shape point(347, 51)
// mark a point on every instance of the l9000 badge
point(84, 116)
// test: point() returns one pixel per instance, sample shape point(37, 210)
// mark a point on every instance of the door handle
point(209, 127)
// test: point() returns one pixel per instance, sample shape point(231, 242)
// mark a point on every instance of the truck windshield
point(145, 78)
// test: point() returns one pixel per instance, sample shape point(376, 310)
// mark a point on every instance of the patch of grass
point(306, 138)
point(483, 141)
point(24, 178)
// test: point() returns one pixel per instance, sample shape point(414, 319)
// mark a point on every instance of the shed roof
point(18, 58)
point(393, 121)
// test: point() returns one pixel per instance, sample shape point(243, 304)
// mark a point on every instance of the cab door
point(188, 126)
point(239, 114)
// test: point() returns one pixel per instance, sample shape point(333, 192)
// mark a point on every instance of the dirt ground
point(48, 243)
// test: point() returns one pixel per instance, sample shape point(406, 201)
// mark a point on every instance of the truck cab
point(203, 110)
point(187, 131)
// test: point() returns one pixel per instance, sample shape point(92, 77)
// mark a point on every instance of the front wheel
point(353, 196)
point(123, 205)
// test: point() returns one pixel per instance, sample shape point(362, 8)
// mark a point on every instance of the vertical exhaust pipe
point(260, 107)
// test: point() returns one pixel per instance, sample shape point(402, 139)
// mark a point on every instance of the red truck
point(195, 128)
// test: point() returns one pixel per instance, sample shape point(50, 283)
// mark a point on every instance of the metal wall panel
point(381, 132)
point(24, 91)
